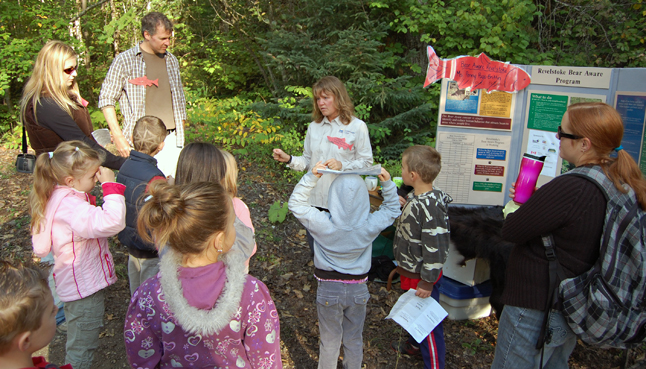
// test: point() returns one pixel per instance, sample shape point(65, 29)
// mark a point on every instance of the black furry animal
point(476, 233)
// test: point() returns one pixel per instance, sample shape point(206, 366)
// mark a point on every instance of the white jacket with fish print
point(349, 144)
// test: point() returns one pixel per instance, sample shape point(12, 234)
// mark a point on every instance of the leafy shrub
point(227, 122)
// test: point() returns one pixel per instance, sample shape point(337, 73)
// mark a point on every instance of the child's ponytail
point(184, 217)
point(71, 158)
point(44, 182)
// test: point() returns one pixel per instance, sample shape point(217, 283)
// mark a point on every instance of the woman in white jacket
point(336, 137)
point(66, 222)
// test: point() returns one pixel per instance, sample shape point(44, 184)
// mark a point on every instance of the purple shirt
point(250, 338)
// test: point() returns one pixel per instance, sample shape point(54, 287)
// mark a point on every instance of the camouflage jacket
point(421, 242)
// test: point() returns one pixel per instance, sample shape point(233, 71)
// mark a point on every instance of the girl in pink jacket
point(66, 222)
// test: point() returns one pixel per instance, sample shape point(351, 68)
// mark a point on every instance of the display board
point(482, 136)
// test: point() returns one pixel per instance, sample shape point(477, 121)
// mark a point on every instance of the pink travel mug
point(530, 169)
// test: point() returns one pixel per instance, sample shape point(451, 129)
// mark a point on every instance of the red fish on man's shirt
point(340, 142)
point(476, 72)
point(144, 81)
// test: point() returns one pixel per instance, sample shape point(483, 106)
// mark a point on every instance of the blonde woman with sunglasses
point(52, 109)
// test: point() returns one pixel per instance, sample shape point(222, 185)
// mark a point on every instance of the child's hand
point(420, 292)
point(316, 168)
point(170, 180)
point(105, 175)
point(333, 164)
point(402, 201)
point(384, 176)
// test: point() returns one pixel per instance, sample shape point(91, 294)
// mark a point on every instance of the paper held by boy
point(416, 315)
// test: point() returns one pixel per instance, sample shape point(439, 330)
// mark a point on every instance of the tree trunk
point(115, 36)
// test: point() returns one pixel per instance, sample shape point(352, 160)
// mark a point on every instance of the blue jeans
point(518, 332)
point(342, 310)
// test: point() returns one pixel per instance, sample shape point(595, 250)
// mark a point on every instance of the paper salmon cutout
point(476, 72)
point(144, 81)
point(340, 142)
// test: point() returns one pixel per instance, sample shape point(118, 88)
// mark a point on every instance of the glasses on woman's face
point(70, 70)
point(560, 134)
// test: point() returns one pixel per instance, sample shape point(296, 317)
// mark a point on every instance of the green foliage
point(473, 347)
point(12, 139)
point(116, 25)
point(277, 213)
point(248, 66)
point(603, 33)
point(228, 123)
point(502, 29)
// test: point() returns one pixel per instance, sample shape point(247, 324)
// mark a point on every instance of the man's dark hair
point(150, 22)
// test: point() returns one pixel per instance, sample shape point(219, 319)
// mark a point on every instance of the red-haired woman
point(572, 209)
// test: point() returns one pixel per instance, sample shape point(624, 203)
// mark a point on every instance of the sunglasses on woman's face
point(70, 70)
point(562, 134)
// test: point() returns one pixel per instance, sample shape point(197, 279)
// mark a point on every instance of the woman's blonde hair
point(230, 180)
point(331, 85)
point(602, 125)
point(184, 217)
point(148, 134)
point(48, 79)
point(70, 159)
point(23, 300)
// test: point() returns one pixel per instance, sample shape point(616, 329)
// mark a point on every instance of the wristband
point(290, 159)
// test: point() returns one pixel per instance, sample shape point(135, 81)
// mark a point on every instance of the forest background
point(248, 65)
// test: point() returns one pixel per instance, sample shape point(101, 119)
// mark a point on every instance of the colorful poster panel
point(632, 108)
point(474, 167)
point(461, 101)
point(462, 108)
point(545, 112)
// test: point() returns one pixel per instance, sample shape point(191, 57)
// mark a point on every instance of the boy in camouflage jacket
point(421, 243)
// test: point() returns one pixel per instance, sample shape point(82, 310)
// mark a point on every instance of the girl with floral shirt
point(201, 310)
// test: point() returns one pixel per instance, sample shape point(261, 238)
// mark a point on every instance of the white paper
point(543, 143)
point(416, 315)
point(374, 170)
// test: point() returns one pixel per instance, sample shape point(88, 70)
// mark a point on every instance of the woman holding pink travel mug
point(572, 210)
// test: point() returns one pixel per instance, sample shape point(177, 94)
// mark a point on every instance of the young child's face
point(406, 178)
point(87, 181)
point(44, 335)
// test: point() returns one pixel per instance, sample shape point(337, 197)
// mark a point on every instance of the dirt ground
point(284, 265)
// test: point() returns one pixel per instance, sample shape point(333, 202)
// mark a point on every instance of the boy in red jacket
point(27, 317)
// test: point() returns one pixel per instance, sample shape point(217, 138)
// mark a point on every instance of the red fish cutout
point(340, 142)
point(144, 81)
point(476, 72)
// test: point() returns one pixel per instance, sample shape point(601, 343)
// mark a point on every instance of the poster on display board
point(475, 127)
point(545, 111)
point(632, 108)
point(474, 166)
point(477, 109)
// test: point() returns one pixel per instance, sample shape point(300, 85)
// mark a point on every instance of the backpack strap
point(556, 274)
point(24, 139)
